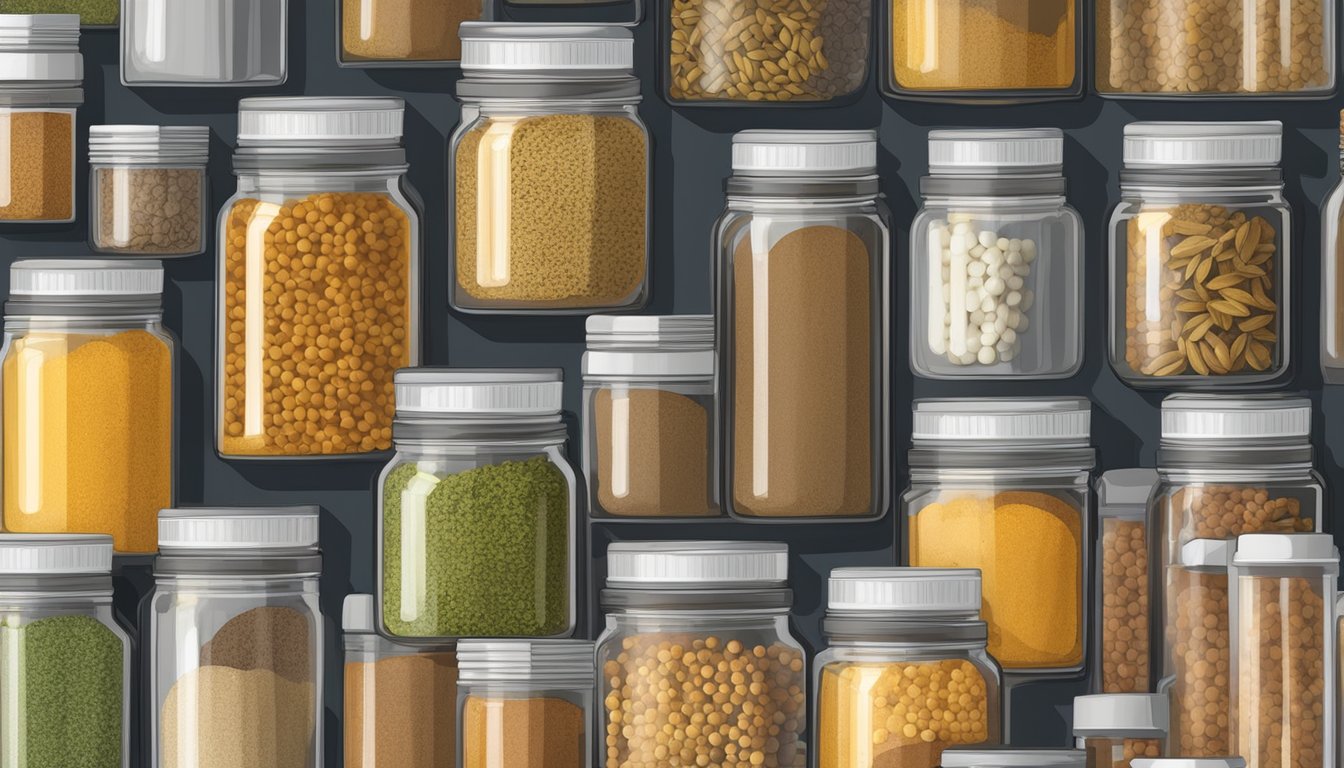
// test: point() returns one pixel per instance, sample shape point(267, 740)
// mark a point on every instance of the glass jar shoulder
point(744, 222)
point(141, 338)
point(286, 189)
point(518, 119)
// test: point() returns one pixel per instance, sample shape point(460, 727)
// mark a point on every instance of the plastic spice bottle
point(906, 674)
point(1123, 604)
point(1013, 757)
point(147, 189)
point(204, 42)
point(1116, 728)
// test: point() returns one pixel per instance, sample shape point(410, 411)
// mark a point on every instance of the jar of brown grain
point(147, 189)
point(1122, 634)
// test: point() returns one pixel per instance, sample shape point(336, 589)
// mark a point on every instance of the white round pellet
point(1027, 298)
point(975, 282)
point(1015, 283)
point(1015, 244)
point(992, 256)
point(977, 317)
point(961, 228)
point(995, 286)
point(968, 358)
point(1007, 355)
point(973, 342)
point(1022, 270)
point(988, 339)
point(1021, 323)
point(1009, 335)
point(1002, 243)
point(987, 238)
point(1001, 325)
point(1006, 272)
point(975, 269)
point(987, 328)
point(988, 304)
point(972, 298)
point(1013, 257)
point(977, 251)
point(1013, 299)
point(986, 356)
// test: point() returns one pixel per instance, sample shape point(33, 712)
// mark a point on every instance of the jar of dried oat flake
point(1114, 729)
point(319, 279)
point(549, 172)
point(1122, 635)
point(148, 189)
point(1200, 257)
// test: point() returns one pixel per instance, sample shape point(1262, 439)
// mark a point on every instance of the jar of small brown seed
point(148, 189)
point(1122, 580)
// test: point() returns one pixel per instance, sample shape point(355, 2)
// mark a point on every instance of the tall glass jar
point(204, 42)
point(997, 272)
point(903, 642)
point(682, 617)
point(477, 511)
point(147, 189)
point(65, 683)
point(548, 172)
point(319, 279)
point(235, 639)
point(1332, 277)
point(1117, 728)
point(88, 389)
point(1003, 485)
point(803, 258)
point(1200, 257)
point(1122, 663)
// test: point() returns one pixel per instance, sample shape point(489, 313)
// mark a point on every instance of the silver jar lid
point(901, 592)
point(989, 151)
point(1053, 422)
point(572, 49)
point(479, 392)
point(47, 554)
point(1122, 715)
point(40, 50)
point(650, 346)
point(319, 120)
point(1191, 145)
point(804, 153)
point(697, 564)
point(1231, 421)
point(46, 279)
point(154, 144)
point(239, 528)
point(527, 660)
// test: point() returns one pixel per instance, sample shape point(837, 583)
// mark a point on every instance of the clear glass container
point(1332, 278)
point(1003, 485)
point(999, 255)
point(477, 511)
point(1283, 591)
point(403, 33)
point(803, 251)
point(312, 322)
point(147, 189)
point(235, 639)
point(651, 447)
point(1115, 729)
point(1200, 257)
point(549, 172)
point(525, 703)
point(65, 684)
point(1123, 634)
point(204, 42)
point(1014, 757)
point(906, 674)
point(88, 388)
point(675, 608)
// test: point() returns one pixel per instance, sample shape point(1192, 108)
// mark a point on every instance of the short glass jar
point(1003, 485)
point(477, 510)
point(1123, 631)
point(1200, 257)
point(649, 416)
point(676, 608)
point(803, 252)
point(1000, 256)
point(66, 679)
point(89, 389)
point(318, 298)
point(1332, 277)
point(204, 42)
point(548, 172)
point(235, 639)
point(404, 33)
point(147, 189)
point(1014, 757)
point(525, 703)
point(1114, 729)
point(906, 674)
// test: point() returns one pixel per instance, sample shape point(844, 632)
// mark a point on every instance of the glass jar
point(1115, 729)
point(648, 397)
point(1332, 278)
point(205, 42)
point(303, 373)
point(147, 189)
point(1283, 591)
point(526, 703)
point(89, 387)
point(1200, 255)
point(65, 682)
point(1123, 631)
point(400, 701)
point(1002, 485)
point(235, 639)
point(984, 50)
point(1014, 757)
point(1000, 253)
point(403, 33)
point(675, 608)
point(549, 172)
point(1241, 48)
point(906, 674)
point(477, 509)
point(803, 260)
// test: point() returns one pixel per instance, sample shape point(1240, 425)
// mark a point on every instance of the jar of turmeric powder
point(88, 386)
point(1003, 485)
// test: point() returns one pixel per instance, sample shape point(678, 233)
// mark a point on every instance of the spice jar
point(906, 674)
point(1003, 485)
point(235, 639)
point(88, 407)
point(403, 33)
point(1283, 591)
point(204, 42)
point(319, 279)
point(400, 701)
point(41, 70)
point(1200, 257)
point(648, 386)
point(66, 679)
point(549, 172)
point(1123, 662)
point(697, 662)
point(803, 256)
point(1332, 278)
point(1000, 254)
point(147, 189)
point(526, 703)
point(978, 50)
point(476, 510)
point(1114, 729)
point(1014, 757)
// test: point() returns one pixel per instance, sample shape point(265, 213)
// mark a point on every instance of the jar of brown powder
point(1122, 634)
point(148, 189)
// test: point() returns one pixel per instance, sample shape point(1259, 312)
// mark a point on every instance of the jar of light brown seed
point(147, 189)
point(1122, 635)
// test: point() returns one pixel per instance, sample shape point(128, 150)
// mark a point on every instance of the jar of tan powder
point(1116, 728)
point(1122, 661)
point(147, 189)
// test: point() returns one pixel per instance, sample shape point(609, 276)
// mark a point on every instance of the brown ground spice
point(405, 30)
point(274, 638)
point(400, 712)
point(667, 455)
point(149, 210)
point(37, 172)
point(522, 733)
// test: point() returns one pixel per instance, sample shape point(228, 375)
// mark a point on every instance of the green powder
point(487, 556)
point(92, 13)
point(61, 694)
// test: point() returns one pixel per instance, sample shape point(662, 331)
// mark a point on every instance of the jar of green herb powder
point(64, 661)
point(477, 508)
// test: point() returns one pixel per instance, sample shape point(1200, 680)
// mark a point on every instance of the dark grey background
point(691, 158)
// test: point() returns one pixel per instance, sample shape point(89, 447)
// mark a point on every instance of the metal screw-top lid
point(232, 528)
point(1059, 422)
point(734, 564)
point(518, 392)
point(1203, 145)
point(1126, 715)
point(310, 120)
point(650, 331)
point(357, 615)
point(521, 660)
point(1008, 757)
point(1012, 150)
point(1202, 418)
point(69, 278)
point(24, 554)
point(904, 591)
point(41, 49)
point(184, 144)
point(1189, 762)
point(1286, 549)
point(502, 47)
point(786, 153)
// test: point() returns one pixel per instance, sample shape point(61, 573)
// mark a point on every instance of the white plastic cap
point(1235, 419)
point(480, 392)
point(1207, 554)
point(805, 152)
point(42, 49)
point(85, 277)
point(1007, 757)
point(54, 553)
point(1012, 149)
point(187, 144)
point(1286, 549)
point(699, 563)
point(510, 47)
point(357, 615)
point(1063, 422)
point(1126, 715)
point(308, 119)
point(650, 331)
point(239, 528)
point(1188, 762)
point(1124, 490)
point(904, 591)
point(479, 660)
point(1203, 145)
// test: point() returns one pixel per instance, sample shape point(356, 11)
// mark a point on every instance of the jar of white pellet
point(996, 259)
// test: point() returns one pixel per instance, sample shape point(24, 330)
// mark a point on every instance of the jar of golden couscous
point(319, 262)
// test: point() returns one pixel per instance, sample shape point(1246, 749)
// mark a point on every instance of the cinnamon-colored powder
point(652, 454)
point(522, 733)
point(39, 150)
point(400, 712)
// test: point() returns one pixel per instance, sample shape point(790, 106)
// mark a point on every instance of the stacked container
point(1122, 663)
point(147, 189)
point(1116, 729)
point(205, 42)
